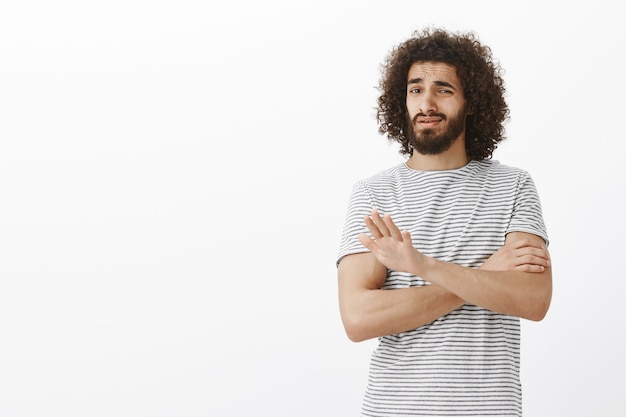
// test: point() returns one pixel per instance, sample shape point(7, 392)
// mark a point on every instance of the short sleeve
point(527, 214)
point(360, 204)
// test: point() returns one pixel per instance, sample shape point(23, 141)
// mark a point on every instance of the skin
point(516, 280)
point(434, 88)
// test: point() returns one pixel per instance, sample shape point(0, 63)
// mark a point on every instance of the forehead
point(433, 71)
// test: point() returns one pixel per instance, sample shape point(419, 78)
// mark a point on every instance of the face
point(435, 107)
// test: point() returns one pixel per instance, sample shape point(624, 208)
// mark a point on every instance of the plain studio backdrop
point(173, 181)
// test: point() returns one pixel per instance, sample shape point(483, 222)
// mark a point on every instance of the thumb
point(367, 241)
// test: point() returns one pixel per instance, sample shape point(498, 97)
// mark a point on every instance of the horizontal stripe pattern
point(465, 363)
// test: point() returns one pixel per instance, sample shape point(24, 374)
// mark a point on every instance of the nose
point(427, 104)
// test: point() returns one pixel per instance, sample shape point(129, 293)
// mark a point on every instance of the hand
point(392, 247)
point(525, 255)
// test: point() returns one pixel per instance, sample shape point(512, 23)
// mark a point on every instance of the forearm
point(515, 293)
point(369, 313)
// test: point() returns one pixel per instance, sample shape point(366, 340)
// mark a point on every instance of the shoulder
point(496, 171)
point(383, 178)
point(495, 166)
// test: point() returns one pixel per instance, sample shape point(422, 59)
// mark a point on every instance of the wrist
point(428, 267)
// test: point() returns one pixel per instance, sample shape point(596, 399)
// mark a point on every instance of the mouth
point(428, 121)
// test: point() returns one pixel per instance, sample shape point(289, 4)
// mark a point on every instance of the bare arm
point(514, 292)
point(368, 312)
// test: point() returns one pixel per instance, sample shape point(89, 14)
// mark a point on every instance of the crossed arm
point(515, 280)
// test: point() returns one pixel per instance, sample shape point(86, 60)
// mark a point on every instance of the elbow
point(355, 328)
point(540, 313)
point(355, 336)
point(537, 316)
point(539, 306)
point(540, 309)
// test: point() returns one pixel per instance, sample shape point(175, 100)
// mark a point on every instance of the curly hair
point(480, 75)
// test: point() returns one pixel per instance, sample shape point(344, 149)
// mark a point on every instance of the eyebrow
point(439, 83)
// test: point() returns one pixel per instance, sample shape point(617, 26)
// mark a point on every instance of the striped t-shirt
point(465, 363)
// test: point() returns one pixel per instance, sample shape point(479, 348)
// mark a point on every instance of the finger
point(380, 223)
point(530, 268)
point(525, 252)
point(525, 243)
point(406, 236)
point(534, 257)
point(372, 227)
point(533, 260)
point(393, 229)
point(368, 242)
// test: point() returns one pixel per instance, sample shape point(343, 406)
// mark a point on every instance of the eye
point(415, 90)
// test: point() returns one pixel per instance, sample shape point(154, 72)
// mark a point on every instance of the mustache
point(432, 114)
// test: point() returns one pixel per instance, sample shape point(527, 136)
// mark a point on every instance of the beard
point(428, 142)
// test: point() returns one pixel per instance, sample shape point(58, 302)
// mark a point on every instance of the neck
point(453, 158)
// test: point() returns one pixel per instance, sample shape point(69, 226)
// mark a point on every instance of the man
point(443, 254)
